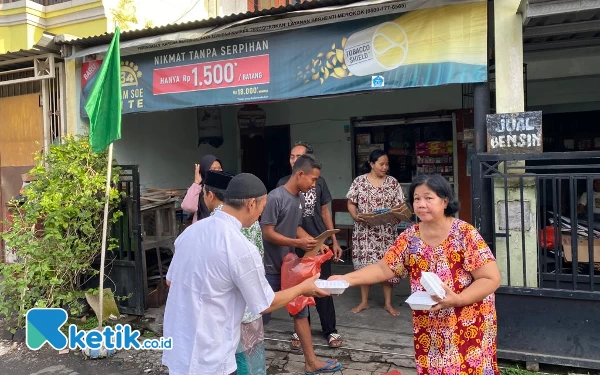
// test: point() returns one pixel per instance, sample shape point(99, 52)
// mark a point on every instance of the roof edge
point(210, 22)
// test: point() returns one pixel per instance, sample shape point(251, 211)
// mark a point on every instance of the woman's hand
point(336, 277)
point(452, 300)
point(197, 177)
point(359, 219)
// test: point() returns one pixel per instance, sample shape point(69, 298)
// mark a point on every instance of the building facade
point(536, 56)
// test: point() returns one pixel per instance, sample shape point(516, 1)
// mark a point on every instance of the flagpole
point(104, 234)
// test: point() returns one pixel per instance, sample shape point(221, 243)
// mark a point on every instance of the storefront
point(368, 56)
point(347, 80)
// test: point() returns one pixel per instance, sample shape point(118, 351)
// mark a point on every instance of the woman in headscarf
point(192, 202)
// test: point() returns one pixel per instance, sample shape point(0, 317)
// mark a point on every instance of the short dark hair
point(306, 163)
point(219, 193)
point(373, 157)
point(440, 186)
point(306, 145)
point(239, 203)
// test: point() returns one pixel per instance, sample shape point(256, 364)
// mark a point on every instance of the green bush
point(56, 231)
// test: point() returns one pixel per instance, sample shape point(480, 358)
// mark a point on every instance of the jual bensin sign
point(514, 133)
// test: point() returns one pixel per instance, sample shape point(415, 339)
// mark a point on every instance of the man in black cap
point(251, 343)
point(215, 184)
point(214, 193)
point(215, 273)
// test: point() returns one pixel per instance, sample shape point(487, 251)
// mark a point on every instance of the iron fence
point(540, 215)
point(126, 260)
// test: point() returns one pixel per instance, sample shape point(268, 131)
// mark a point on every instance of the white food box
point(332, 286)
point(433, 284)
point(420, 301)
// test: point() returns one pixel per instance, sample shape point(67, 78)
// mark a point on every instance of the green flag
point(104, 103)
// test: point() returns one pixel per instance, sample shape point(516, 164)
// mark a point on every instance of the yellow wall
point(82, 29)
point(34, 33)
point(24, 36)
point(13, 38)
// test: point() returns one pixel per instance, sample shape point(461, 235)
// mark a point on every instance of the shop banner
point(420, 48)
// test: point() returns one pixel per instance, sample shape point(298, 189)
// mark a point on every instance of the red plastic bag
point(547, 238)
point(295, 270)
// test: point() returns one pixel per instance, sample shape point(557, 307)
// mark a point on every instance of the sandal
point(334, 340)
point(295, 342)
point(327, 369)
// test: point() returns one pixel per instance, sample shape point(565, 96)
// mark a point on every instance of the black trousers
point(325, 306)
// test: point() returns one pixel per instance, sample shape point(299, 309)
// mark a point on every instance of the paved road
point(19, 360)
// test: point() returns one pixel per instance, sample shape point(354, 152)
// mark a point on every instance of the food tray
point(332, 286)
point(433, 284)
point(420, 300)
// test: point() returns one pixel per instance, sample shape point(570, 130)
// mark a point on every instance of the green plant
point(124, 14)
point(56, 231)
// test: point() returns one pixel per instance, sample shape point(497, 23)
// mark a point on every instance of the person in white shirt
point(215, 273)
point(583, 200)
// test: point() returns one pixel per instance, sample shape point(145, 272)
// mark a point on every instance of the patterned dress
point(453, 341)
point(250, 354)
point(369, 244)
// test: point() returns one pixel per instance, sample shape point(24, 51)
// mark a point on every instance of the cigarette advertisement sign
point(419, 48)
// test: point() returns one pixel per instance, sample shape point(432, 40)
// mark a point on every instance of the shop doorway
point(265, 153)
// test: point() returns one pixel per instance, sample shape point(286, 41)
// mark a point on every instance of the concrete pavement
point(374, 343)
point(372, 337)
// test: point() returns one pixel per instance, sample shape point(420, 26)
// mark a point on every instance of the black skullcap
point(245, 186)
point(217, 179)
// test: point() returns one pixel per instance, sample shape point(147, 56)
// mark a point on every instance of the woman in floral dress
point(458, 335)
point(369, 192)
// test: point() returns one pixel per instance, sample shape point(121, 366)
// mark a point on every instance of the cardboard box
point(363, 149)
point(394, 216)
point(363, 139)
point(368, 148)
point(583, 254)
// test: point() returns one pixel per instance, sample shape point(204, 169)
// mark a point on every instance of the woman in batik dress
point(458, 335)
point(369, 192)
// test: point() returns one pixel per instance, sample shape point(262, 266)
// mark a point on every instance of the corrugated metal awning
point(22, 58)
point(561, 24)
point(280, 19)
point(207, 23)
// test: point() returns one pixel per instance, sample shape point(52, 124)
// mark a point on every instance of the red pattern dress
point(369, 244)
point(453, 341)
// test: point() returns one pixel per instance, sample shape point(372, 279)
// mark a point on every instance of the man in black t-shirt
point(316, 219)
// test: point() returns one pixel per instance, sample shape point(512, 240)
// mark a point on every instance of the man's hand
point(452, 300)
point(310, 289)
point(197, 177)
point(307, 243)
point(337, 252)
